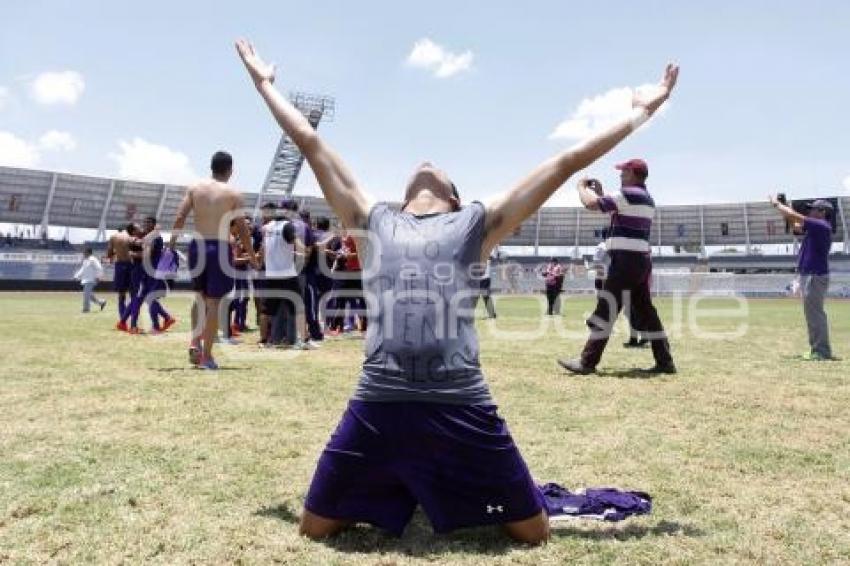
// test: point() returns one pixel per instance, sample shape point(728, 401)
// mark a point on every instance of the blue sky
point(152, 89)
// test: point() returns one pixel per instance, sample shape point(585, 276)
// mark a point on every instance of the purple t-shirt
point(303, 231)
point(814, 252)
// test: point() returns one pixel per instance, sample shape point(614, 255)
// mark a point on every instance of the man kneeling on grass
point(422, 428)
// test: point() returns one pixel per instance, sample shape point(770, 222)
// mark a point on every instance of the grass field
point(114, 451)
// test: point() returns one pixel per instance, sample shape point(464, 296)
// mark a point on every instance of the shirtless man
point(214, 204)
point(118, 253)
point(422, 427)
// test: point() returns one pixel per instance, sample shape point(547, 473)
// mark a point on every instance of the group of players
point(307, 276)
point(136, 253)
point(305, 284)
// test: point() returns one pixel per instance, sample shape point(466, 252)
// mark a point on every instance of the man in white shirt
point(281, 280)
point(88, 275)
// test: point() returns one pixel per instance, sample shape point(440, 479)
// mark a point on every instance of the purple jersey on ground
point(605, 503)
point(814, 252)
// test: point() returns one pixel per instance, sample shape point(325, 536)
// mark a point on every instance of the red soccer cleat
point(122, 326)
point(234, 330)
point(168, 324)
point(136, 331)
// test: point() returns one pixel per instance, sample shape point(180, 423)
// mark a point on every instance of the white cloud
point(15, 152)
point(54, 140)
point(5, 96)
point(435, 58)
point(60, 87)
point(141, 160)
point(597, 113)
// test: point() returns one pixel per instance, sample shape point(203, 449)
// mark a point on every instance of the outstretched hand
point(259, 70)
point(653, 97)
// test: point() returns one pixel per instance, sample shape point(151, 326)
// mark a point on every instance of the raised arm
point(589, 193)
point(786, 211)
point(506, 211)
point(340, 188)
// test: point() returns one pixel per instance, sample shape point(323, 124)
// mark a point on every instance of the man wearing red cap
point(627, 284)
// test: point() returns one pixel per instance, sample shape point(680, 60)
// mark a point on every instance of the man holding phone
point(813, 266)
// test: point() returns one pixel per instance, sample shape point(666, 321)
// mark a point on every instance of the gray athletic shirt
point(420, 289)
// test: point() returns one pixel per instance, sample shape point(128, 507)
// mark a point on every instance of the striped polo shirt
point(632, 211)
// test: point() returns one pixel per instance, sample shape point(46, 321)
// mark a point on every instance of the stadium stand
point(42, 198)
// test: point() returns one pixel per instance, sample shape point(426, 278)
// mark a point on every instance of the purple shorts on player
point(121, 277)
point(212, 278)
point(458, 462)
point(152, 285)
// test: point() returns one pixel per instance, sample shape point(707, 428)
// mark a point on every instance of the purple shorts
point(152, 285)
point(212, 279)
point(458, 462)
point(121, 278)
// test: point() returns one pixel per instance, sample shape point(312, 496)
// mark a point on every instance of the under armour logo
point(492, 508)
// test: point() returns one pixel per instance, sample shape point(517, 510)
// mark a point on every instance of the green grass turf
point(114, 450)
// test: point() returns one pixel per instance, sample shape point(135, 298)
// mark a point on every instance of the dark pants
point(486, 296)
point(551, 297)
point(311, 305)
point(282, 305)
point(635, 324)
point(350, 293)
point(324, 298)
point(627, 285)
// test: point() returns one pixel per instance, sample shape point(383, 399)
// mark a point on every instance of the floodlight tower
point(287, 160)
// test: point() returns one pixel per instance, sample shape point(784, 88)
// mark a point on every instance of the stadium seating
point(32, 197)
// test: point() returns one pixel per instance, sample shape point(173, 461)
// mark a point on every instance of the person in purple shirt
point(153, 285)
point(311, 297)
point(813, 266)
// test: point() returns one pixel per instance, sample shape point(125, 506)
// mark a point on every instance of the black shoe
point(194, 355)
point(575, 366)
point(635, 344)
point(668, 368)
point(102, 305)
